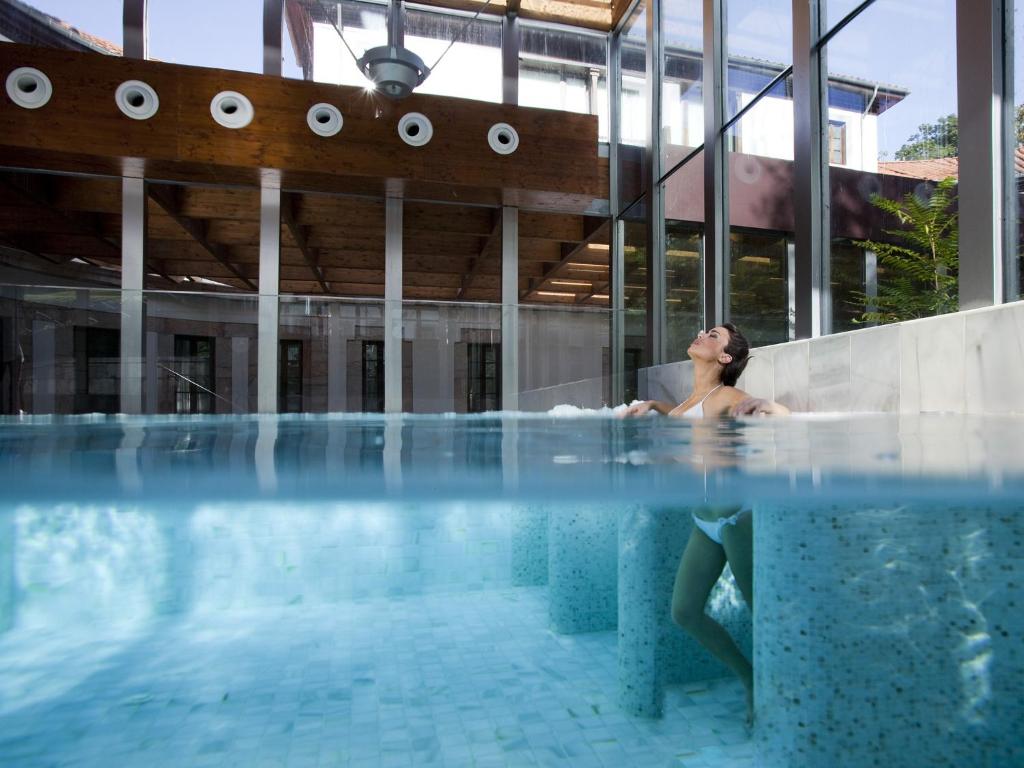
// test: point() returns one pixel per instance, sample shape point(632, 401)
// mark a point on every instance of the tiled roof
point(940, 168)
point(934, 170)
point(96, 42)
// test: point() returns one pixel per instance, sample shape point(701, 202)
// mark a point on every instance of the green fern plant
point(921, 260)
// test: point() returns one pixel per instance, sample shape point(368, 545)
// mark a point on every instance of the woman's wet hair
point(739, 349)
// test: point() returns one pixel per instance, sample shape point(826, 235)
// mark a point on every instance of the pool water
point(495, 590)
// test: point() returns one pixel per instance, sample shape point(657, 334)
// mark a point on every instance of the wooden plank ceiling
point(207, 239)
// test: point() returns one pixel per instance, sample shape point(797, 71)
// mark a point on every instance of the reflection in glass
point(564, 69)
point(633, 112)
point(760, 215)
point(892, 110)
point(758, 292)
point(1017, 173)
point(759, 39)
point(682, 96)
point(684, 237)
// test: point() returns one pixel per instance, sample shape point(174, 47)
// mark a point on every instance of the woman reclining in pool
point(721, 534)
point(719, 357)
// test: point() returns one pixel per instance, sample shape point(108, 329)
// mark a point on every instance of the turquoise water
point(306, 591)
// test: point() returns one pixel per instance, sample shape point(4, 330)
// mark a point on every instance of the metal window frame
point(657, 325)
point(715, 289)
point(134, 18)
point(273, 31)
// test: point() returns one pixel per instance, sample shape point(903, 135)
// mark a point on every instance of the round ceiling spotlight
point(503, 138)
point(324, 119)
point(137, 99)
point(395, 71)
point(29, 88)
point(415, 129)
point(231, 109)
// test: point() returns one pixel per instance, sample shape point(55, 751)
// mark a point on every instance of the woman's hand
point(640, 409)
point(757, 406)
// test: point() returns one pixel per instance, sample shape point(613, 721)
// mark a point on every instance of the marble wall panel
point(875, 370)
point(994, 359)
point(791, 375)
point(829, 374)
point(932, 365)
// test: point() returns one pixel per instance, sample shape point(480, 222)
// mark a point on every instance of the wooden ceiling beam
point(169, 202)
point(474, 263)
point(600, 233)
point(311, 255)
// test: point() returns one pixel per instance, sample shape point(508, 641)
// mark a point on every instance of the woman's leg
point(738, 543)
point(699, 569)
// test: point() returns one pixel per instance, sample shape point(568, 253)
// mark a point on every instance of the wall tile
point(875, 370)
point(932, 365)
point(994, 360)
point(829, 373)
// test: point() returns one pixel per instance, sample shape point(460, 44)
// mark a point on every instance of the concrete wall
point(968, 362)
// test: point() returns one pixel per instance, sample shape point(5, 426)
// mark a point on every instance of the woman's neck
point(706, 377)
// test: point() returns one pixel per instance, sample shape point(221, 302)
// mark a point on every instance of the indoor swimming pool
point(495, 590)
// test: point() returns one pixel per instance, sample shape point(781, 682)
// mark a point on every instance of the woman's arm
point(642, 409)
point(756, 406)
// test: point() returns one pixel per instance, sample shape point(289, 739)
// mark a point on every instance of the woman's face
point(710, 345)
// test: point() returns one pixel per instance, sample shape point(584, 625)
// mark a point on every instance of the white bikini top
point(697, 411)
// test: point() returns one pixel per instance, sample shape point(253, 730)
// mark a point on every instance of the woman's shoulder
point(730, 394)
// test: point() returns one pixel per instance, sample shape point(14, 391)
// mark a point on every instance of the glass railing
point(60, 353)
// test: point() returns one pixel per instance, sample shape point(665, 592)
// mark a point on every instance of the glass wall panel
point(564, 357)
point(892, 140)
point(337, 350)
point(682, 95)
point(451, 357)
point(97, 25)
point(59, 350)
point(759, 39)
point(200, 353)
point(635, 263)
point(633, 111)
point(226, 34)
point(471, 69)
point(761, 223)
point(1017, 140)
point(684, 256)
point(321, 32)
point(564, 69)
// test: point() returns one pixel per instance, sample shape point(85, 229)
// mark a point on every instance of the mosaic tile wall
point(916, 650)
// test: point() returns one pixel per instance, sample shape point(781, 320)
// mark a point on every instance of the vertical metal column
point(396, 23)
point(979, 47)
point(811, 209)
point(1011, 218)
point(133, 275)
point(509, 308)
point(656, 320)
point(616, 255)
point(393, 306)
point(716, 177)
point(269, 300)
point(136, 29)
point(273, 24)
point(510, 56)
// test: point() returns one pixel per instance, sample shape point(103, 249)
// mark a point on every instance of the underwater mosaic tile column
point(653, 651)
point(889, 636)
point(529, 546)
point(582, 571)
point(7, 577)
